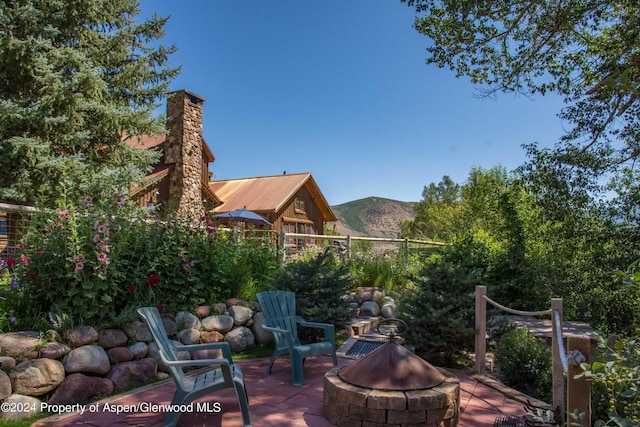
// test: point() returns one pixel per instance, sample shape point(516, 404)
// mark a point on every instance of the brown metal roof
point(267, 193)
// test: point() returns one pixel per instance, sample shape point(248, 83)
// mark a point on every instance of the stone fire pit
point(391, 387)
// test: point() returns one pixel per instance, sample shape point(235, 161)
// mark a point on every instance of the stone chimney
point(183, 150)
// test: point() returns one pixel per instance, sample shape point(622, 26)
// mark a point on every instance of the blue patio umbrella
point(243, 215)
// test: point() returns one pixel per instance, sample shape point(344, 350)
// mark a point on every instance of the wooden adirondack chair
point(279, 308)
point(224, 374)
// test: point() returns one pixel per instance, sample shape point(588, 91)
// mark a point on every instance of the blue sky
point(340, 88)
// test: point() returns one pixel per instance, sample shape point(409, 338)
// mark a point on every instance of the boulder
point(31, 405)
point(110, 338)
point(53, 350)
point(219, 308)
point(262, 336)
point(132, 373)
point(119, 354)
point(8, 363)
point(80, 388)
point(138, 331)
point(240, 314)
point(218, 322)
point(5, 386)
point(170, 326)
point(36, 377)
point(240, 339)
point(388, 310)
point(139, 350)
point(211, 336)
point(370, 308)
point(90, 359)
point(203, 311)
point(15, 344)
point(81, 335)
point(189, 336)
point(186, 320)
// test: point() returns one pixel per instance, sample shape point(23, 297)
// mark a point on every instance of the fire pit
point(391, 387)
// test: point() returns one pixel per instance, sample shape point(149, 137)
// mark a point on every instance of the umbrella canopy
point(243, 215)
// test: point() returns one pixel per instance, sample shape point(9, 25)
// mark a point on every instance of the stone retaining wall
point(87, 363)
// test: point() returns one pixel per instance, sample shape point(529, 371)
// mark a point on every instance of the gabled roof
point(146, 142)
point(268, 193)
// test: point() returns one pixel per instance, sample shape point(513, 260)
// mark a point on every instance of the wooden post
point(406, 251)
point(557, 371)
point(348, 246)
point(579, 390)
point(481, 329)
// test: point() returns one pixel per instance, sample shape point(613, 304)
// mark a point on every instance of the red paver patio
point(273, 401)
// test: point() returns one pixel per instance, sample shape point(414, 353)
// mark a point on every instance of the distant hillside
point(373, 216)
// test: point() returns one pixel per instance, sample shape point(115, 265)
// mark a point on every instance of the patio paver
point(273, 401)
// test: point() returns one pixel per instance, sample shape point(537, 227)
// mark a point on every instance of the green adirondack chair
point(279, 308)
point(224, 374)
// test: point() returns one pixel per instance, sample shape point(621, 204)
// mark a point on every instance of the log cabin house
point(293, 203)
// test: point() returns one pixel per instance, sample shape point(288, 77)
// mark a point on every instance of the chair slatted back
point(152, 316)
point(279, 308)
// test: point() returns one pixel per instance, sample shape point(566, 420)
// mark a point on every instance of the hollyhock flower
point(63, 214)
point(11, 261)
point(153, 280)
point(120, 200)
point(101, 228)
point(79, 267)
point(96, 238)
point(102, 257)
point(87, 201)
point(160, 308)
point(24, 259)
point(96, 224)
point(21, 245)
point(131, 288)
point(39, 251)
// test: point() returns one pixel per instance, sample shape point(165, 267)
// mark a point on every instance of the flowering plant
point(96, 261)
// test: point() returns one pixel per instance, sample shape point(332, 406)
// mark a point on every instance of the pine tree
point(75, 75)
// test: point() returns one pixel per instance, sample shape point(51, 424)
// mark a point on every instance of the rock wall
point(87, 363)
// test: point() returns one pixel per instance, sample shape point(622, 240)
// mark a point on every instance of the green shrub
point(439, 309)
point(616, 378)
point(524, 362)
point(387, 272)
point(320, 283)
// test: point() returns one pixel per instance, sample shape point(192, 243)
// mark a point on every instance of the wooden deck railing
point(578, 395)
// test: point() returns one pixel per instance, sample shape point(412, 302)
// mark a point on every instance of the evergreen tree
point(75, 75)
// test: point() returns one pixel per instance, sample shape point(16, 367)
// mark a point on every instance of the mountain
point(372, 216)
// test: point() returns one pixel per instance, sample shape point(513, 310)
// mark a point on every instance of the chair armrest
point(329, 329)
point(224, 346)
point(198, 362)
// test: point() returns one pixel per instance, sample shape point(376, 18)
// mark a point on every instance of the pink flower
point(39, 251)
point(160, 308)
point(131, 288)
point(79, 266)
point(21, 245)
point(11, 261)
point(101, 228)
point(24, 259)
point(96, 238)
point(102, 257)
point(87, 201)
point(120, 200)
point(63, 214)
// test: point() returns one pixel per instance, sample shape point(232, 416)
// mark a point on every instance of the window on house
point(300, 206)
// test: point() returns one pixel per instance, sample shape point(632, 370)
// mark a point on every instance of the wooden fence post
point(579, 390)
point(481, 329)
point(406, 251)
point(557, 371)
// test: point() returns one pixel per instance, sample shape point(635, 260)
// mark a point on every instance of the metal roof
point(268, 193)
